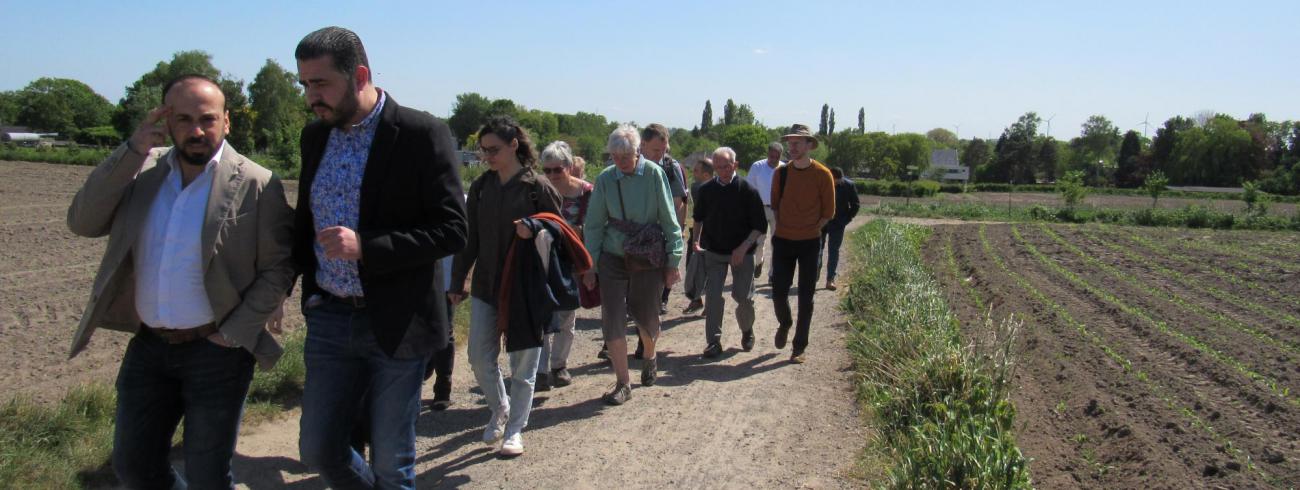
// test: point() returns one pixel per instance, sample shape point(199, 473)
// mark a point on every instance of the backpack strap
point(785, 176)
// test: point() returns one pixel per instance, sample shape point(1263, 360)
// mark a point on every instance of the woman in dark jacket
point(509, 191)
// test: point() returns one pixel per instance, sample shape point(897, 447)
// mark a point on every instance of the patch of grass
point(70, 155)
point(941, 405)
point(57, 446)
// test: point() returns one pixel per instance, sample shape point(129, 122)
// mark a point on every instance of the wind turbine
point(1145, 124)
point(1049, 125)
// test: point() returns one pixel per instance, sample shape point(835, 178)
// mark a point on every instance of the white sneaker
point(496, 428)
point(513, 446)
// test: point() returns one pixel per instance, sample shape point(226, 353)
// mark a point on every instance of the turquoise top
point(647, 200)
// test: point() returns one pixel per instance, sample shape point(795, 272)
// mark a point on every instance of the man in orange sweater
point(803, 200)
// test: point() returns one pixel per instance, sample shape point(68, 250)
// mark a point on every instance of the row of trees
point(265, 118)
point(1207, 149)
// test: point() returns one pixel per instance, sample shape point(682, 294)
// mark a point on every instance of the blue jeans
point(832, 238)
point(159, 383)
point(346, 368)
point(484, 348)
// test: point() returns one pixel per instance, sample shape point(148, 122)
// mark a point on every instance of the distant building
point(945, 167)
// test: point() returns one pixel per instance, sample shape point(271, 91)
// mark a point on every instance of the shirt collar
point(371, 119)
point(175, 163)
point(640, 168)
point(734, 179)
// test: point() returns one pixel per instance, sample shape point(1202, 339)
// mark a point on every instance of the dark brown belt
point(181, 336)
point(357, 302)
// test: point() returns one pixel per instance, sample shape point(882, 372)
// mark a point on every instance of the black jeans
point(157, 385)
point(786, 255)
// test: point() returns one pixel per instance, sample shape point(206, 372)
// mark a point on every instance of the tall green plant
point(1155, 185)
point(1072, 189)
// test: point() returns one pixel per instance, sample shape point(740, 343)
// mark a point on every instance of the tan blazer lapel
point(227, 177)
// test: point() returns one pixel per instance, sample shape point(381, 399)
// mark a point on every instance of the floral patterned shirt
point(336, 197)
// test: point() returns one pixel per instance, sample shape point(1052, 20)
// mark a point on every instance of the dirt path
point(746, 420)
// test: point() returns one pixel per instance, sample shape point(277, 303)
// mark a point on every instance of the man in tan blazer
point(197, 262)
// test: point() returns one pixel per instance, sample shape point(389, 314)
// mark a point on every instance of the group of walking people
point(203, 249)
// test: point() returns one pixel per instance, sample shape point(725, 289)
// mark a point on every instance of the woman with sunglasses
point(509, 191)
point(557, 163)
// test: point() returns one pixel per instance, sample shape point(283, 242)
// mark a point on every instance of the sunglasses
point(553, 170)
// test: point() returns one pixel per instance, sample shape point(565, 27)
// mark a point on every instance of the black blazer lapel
point(379, 161)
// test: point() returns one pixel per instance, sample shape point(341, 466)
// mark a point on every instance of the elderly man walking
point(196, 264)
point(803, 198)
point(729, 220)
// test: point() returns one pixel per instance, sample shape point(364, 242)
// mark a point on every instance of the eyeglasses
point(553, 170)
point(490, 151)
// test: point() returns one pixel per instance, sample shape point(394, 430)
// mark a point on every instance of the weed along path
point(745, 420)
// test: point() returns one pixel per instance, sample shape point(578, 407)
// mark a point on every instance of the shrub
point(1072, 189)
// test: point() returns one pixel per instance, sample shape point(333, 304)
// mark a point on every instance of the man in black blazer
point(380, 201)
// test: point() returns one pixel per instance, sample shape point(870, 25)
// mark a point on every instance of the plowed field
point(1148, 358)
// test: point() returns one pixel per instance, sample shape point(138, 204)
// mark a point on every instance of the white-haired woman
point(632, 233)
point(558, 163)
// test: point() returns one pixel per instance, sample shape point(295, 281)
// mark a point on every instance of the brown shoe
point(649, 371)
point(830, 285)
point(619, 395)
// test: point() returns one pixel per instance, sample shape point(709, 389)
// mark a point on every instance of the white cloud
point(760, 51)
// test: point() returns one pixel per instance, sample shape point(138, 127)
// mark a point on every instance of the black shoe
point(782, 332)
point(696, 305)
point(648, 372)
point(619, 395)
point(758, 271)
point(542, 383)
point(438, 404)
point(713, 351)
point(561, 378)
point(747, 341)
point(604, 352)
point(640, 351)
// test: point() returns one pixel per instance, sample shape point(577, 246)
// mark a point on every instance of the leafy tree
point(280, 109)
point(862, 120)
point(1217, 154)
point(98, 135)
point(821, 128)
point(1167, 137)
point(468, 115)
point(729, 113)
point(1015, 155)
point(749, 141)
point(62, 105)
point(1096, 145)
point(913, 151)
point(241, 115)
point(1072, 189)
point(830, 123)
point(543, 126)
point(1155, 184)
point(1127, 173)
point(976, 155)
point(10, 104)
point(1048, 158)
point(146, 93)
point(706, 118)
point(942, 137)
point(744, 115)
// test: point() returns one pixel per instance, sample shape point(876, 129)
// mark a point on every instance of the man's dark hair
point(341, 45)
point(653, 131)
point(167, 87)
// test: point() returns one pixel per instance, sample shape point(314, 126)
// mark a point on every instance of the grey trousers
point(624, 293)
point(742, 290)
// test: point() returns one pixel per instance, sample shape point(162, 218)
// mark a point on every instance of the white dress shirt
point(760, 177)
point(169, 291)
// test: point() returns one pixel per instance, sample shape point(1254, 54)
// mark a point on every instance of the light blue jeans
point(484, 349)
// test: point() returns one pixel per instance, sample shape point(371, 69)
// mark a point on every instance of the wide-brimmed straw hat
point(800, 131)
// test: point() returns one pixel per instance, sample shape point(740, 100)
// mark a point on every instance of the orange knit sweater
point(809, 197)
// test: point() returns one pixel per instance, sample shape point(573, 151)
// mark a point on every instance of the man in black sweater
point(728, 221)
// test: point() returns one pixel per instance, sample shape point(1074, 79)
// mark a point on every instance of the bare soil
point(1023, 199)
point(1088, 421)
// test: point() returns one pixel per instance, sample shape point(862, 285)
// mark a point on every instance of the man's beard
point(345, 111)
point(196, 158)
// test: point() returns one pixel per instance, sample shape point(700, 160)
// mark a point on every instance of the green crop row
point(941, 407)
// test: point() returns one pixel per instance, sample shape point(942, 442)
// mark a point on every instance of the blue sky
point(912, 65)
